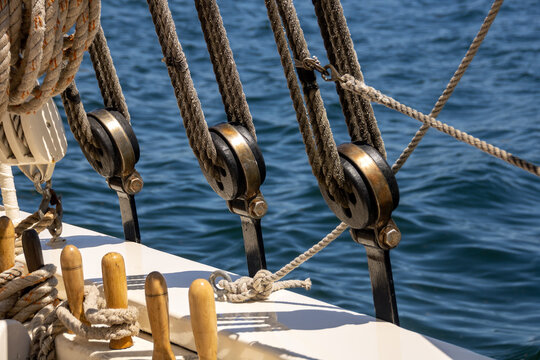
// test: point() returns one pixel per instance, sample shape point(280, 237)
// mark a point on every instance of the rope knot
point(263, 283)
point(245, 288)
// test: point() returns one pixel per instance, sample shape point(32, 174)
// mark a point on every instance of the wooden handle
point(157, 305)
point(72, 273)
point(7, 244)
point(202, 308)
point(113, 270)
point(32, 250)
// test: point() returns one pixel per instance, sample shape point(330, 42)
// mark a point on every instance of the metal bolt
point(257, 208)
point(133, 184)
point(390, 236)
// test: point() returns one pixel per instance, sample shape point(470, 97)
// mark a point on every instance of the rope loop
point(105, 324)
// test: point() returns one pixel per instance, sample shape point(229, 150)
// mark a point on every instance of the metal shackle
point(119, 148)
point(372, 191)
point(243, 169)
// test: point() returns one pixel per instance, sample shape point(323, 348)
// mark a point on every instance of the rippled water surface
point(468, 268)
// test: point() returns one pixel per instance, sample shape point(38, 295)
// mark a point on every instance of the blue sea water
point(468, 268)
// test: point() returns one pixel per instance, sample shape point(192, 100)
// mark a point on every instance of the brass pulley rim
point(119, 139)
point(385, 169)
point(254, 149)
point(243, 154)
point(371, 172)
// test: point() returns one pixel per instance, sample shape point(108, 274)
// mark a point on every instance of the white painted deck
point(287, 326)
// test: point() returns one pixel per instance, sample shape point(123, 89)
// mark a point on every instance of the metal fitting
point(257, 208)
point(133, 183)
point(390, 236)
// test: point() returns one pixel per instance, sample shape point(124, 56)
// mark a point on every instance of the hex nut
point(258, 208)
point(390, 236)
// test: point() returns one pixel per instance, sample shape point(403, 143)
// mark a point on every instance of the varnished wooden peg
point(113, 270)
point(72, 273)
point(7, 244)
point(202, 308)
point(157, 304)
point(32, 250)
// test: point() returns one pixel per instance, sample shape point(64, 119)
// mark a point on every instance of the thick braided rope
point(188, 102)
point(350, 83)
point(294, 88)
point(319, 141)
point(221, 56)
point(78, 121)
point(46, 53)
point(19, 305)
point(358, 112)
point(454, 81)
point(264, 282)
point(51, 321)
point(108, 81)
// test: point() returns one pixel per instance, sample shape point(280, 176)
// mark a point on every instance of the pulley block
point(118, 146)
point(242, 169)
point(372, 190)
point(35, 141)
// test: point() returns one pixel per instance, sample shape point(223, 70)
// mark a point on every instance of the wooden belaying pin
point(7, 244)
point(72, 274)
point(113, 270)
point(32, 250)
point(157, 304)
point(202, 308)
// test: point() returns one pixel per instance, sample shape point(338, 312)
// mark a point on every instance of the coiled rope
point(21, 296)
point(105, 324)
point(33, 45)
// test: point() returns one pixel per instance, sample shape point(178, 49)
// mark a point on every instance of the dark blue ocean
point(468, 268)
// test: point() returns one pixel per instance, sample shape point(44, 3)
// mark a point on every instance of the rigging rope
point(314, 127)
point(350, 83)
point(467, 59)
point(358, 112)
point(221, 56)
point(188, 102)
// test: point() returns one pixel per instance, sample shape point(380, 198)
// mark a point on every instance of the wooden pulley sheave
point(33, 141)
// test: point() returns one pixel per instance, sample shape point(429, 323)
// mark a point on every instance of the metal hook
point(334, 74)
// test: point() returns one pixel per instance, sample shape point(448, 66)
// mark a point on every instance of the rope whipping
point(21, 296)
point(34, 45)
point(467, 59)
point(104, 324)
